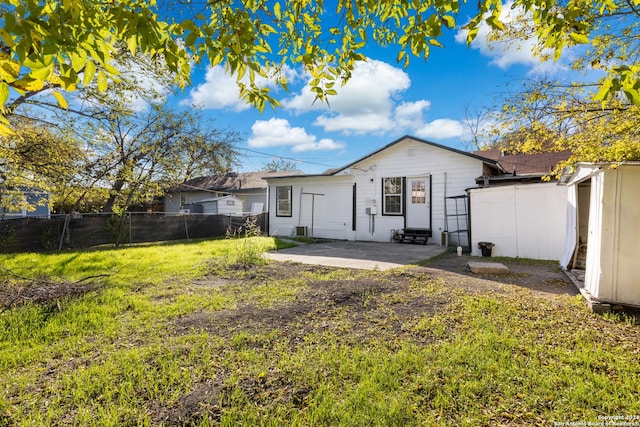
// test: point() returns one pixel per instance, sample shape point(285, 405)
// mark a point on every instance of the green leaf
point(578, 38)
point(132, 44)
point(449, 21)
point(78, 61)
point(40, 73)
point(6, 38)
point(89, 72)
point(102, 81)
point(276, 11)
point(61, 101)
point(4, 93)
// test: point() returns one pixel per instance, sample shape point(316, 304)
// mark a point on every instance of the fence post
point(130, 237)
point(186, 227)
point(64, 230)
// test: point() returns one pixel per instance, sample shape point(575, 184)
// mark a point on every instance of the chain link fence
point(80, 231)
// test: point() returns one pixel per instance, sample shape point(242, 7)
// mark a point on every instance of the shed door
point(418, 202)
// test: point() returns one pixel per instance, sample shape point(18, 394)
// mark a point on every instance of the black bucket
point(486, 248)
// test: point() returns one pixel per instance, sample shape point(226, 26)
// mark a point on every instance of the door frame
point(428, 195)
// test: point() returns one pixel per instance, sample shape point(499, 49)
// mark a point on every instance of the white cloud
point(442, 129)
point(365, 104)
point(408, 114)
point(220, 90)
point(505, 53)
point(278, 132)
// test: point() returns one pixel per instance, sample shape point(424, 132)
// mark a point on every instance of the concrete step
point(487, 267)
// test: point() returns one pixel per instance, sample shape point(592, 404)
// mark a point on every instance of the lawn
point(208, 333)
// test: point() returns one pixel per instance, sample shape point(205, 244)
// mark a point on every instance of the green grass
point(135, 265)
point(119, 354)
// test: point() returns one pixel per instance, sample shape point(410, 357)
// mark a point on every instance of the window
point(283, 201)
point(418, 192)
point(392, 196)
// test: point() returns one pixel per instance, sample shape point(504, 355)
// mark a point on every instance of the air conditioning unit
point(300, 231)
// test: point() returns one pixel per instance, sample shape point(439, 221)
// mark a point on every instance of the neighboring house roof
point(526, 164)
point(233, 181)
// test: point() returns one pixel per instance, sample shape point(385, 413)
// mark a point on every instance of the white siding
point(611, 271)
point(521, 220)
point(172, 200)
point(227, 205)
point(332, 213)
point(408, 159)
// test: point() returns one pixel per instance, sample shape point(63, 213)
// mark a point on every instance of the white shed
point(226, 205)
point(521, 220)
point(603, 217)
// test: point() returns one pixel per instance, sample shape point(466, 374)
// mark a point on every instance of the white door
point(418, 202)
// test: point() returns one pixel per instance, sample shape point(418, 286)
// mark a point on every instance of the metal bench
point(414, 235)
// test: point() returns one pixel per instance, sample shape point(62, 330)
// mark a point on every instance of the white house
point(250, 187)
point(409, 184)
point(603, 213)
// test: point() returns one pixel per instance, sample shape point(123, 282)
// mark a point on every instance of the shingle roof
point(525, 164)
point(476, 154)
point(234, 181)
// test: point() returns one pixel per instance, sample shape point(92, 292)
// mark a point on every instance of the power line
point(287, 158)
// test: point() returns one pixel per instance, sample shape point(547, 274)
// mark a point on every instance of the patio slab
point(361, 255)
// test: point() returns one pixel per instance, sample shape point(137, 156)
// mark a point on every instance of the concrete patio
point(362, 255)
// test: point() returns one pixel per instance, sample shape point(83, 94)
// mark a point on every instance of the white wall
point(612, 248)
point(411, 158)
point(332, 213)
point(172, 200)
point(521, 220)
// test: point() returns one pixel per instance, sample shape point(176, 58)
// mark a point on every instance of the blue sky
point(381, 103)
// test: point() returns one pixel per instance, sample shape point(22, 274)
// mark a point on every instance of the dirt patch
point(41, 291)
point(374, 302)
point(540, 277)
point(353, 306)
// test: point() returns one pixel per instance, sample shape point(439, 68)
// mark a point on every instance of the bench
point(414, 235)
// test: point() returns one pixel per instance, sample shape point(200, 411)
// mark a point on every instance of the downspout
point(430, 202)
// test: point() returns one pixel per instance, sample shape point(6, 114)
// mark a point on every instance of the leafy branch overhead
point(58, 46)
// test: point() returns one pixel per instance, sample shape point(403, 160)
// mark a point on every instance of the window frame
point(289, 199)
point(399, 196)
point(419, 195)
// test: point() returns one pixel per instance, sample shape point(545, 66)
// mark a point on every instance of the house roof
point(332, 172)
point(526, 164)
point(234, 181)
point(473, 155)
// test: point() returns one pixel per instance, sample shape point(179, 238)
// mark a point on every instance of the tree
point(54, 47)
point(550, 116)
point(141, 154)
point(36, 157)
point(280, 165)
